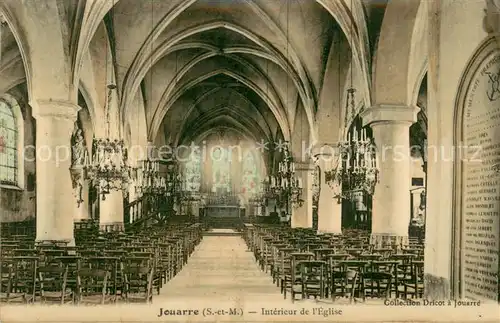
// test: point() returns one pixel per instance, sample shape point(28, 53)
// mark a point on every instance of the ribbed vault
point(255, 44)
point(245, 64)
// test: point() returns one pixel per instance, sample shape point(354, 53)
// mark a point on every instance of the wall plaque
point(480, 154)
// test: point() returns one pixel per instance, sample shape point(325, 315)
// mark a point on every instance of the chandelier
point(108, 168)
point(355, 167)
point(284, 185)
point(149, 180)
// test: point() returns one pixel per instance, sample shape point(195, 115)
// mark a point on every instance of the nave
point(129, 128)
point(221, 269)
point(255, 266)
point(184, 272)
point(186, 263)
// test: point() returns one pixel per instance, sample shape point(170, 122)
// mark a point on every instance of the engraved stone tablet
point(481, 182)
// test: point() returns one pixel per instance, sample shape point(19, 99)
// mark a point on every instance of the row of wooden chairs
point(302, 262)
point(103, 268)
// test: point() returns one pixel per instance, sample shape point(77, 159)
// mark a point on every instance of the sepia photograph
point(249, 160)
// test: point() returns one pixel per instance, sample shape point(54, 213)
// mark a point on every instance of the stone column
point(329, 207)
point(302, 215)
point(55, 204)
point(111, 212)
point(391, 202)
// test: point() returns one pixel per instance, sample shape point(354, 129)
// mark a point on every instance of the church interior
point(342, 151)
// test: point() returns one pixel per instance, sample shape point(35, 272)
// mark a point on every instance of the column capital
point(55, 109)
point(388, 113)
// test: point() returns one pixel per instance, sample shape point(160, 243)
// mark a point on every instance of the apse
point(223, 162)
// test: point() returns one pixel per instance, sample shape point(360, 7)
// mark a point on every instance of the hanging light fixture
point(285, 185)
point(108, 168)
point(355, 166)
point(3, 23)
point(148, 176)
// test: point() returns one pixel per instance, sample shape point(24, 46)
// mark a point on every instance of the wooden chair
point(138, 273)
point(285, 271)
point(294, 278)
point(338, 280)
point(414, 287)
point(17, 279)
point(115, 279)
point(52, 284)
point(25, 275)
point(403, 272)
point(376, 284)
point(276, 262)
point(353, 270)
point(313, 279)
point(93, 286)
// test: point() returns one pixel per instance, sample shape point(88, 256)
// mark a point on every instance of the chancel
point(344, 151)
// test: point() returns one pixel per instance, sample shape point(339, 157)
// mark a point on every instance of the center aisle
point(221, 269)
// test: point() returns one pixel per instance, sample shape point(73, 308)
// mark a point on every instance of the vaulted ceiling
point(243, 64)
point(200, 65)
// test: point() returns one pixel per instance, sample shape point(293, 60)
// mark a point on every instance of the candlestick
point(348, 137)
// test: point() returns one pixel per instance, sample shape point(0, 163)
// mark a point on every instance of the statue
point(316, 185)
point(419, 213)
point(78, 149)
point(78, 160)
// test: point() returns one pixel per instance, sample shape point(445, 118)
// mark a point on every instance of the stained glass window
point(8, 145)
point(250, 178)
point(193, 172)
point(221, 170)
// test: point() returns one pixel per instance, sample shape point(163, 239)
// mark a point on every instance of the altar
point(220, 211)
point(222, 205)
point(223, 211)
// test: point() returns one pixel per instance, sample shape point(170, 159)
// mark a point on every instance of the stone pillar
point(329, 207)
point(302, 215)
point(55, 205)
point(391, 210)
point(111, 212)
